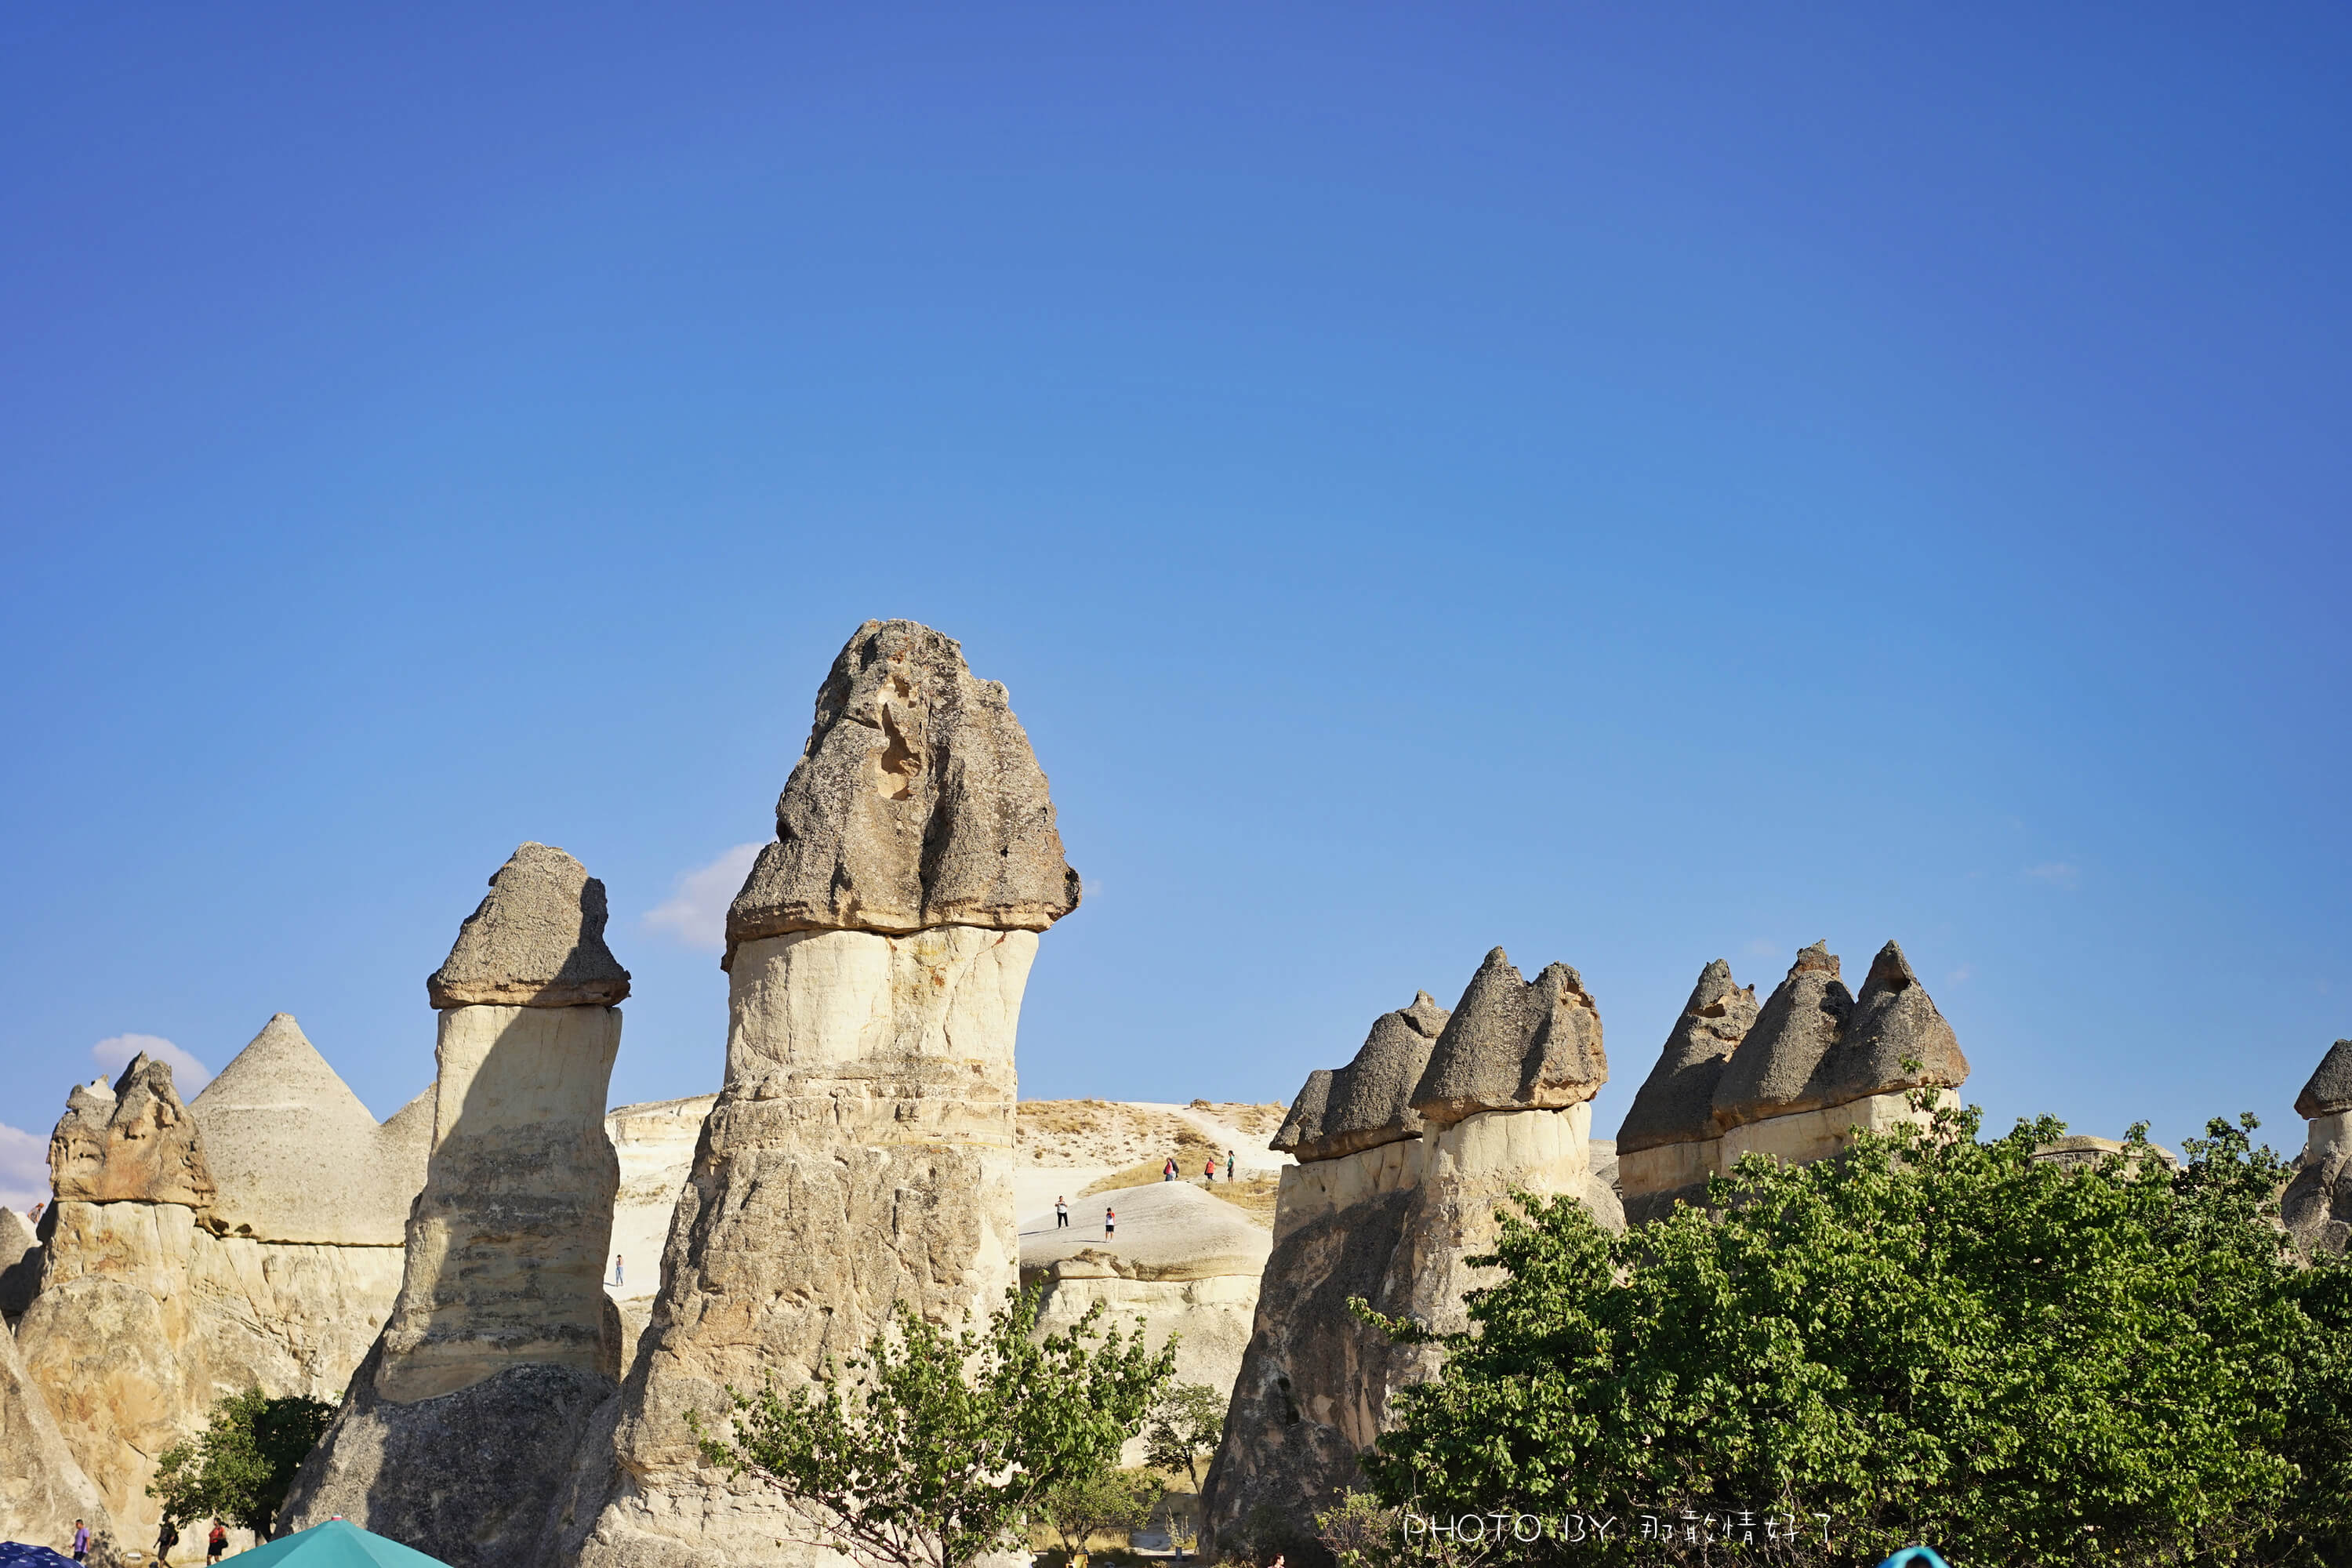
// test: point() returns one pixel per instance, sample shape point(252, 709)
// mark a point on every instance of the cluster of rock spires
point(1791, 1079)
point(1404, 1154)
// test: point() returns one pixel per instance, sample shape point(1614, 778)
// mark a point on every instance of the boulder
point(1368, 1101)
point(917, 802)
point(537, 941)
point(296, 1157)
point(1773, 1070)
point(43, 1488)
point(133, 1144)
point(1513, 1045)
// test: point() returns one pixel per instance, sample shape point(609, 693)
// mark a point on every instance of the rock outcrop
point(20, 1265)
point(2316, 1206)
point(182, 1284)
point(1368, 1102)
point(1184, 1261)
point(917, 804)
point(42, 1486)
point(1504, 1101)
point(1792, 1079)
point(1669, 1141)
point(859, 1153)
point(459, 1430)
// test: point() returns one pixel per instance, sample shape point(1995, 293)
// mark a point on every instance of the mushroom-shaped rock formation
point(1513, 1043)
point(1367, 1102)
point(2316, 1206)
point(861, 1153)
point(296, 1157)
point(133, 1144)
point(1772, 1072)
point(500, 1344)
point(2328, 1091)
point(917, 802)
point(1675, 1104)
point(1894, 1021)
point(535, 941)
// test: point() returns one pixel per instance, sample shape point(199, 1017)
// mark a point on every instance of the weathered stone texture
point(915, 803)
point(1368, 1101)
point(2329, 1089)
point(537, 941)
point(1675, 1104)
point(296, 1157)
point(133, 1144)
point(1773, 1071)
point(20, 1265)
point(1895, 1021)
point(1513, 1043)
point(860, 1154)
point(43, 1488)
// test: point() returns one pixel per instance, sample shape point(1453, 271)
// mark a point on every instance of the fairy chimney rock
point(1772, 1072)
point(2330, 1090)
point(917, 802)
point(537, 941)
point(133, 1144)
point(1367, 1102)
point(1895, 1022)
point(1676, 1103)
point(1513, 1043)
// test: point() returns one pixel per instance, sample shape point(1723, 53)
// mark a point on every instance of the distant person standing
point(1209, 1170)
point(1110, 1221)
point(617, 1269)
point(1167, 1170)
point(81, 1541)
point(1229, 1164)
point(166, 1538)
point(216, 1543)
point(1061, 1214)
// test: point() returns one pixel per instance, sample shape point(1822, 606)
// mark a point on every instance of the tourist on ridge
point(1110, 1221)
point(1167, 1170)
point(1209, 1170)
point(1061, 1214)
point(81, 1541)
point(617, 1269)
point(1229, 1164)
point(216, 1542)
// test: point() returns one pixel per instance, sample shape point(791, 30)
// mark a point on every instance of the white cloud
point(24, 1169)
point(1965, 971)
point(114, 1053)
point(697, 913)
point(2062, 874)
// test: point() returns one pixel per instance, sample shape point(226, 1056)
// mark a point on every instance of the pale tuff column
point(860, 1154)
point(461, 1426)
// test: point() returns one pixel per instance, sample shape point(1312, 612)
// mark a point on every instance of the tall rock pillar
point(2317, 1204)
point(460, 1427)
point(860, 1152)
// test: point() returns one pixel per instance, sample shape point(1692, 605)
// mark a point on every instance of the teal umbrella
point(338, 1544)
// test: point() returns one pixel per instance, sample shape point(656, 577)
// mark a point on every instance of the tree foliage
point(933, 1448)
point(1188, 1422)
point(1928, 1340)
point(1105, 1502)
point(240, 1468)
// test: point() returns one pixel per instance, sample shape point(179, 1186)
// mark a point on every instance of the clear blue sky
point(1629, 484)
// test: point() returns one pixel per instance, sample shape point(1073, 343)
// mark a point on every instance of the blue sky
point(1631, 485)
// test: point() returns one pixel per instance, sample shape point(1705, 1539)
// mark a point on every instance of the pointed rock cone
point(1895, 1021)
point(917, 802)
point(1513, 1043)
point(1676, 1103)
point(2330, 1090)
point(538, 940)
point(1367, 1103)
point(1771, 1072)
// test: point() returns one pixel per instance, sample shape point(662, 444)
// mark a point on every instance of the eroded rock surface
point(1669, 1142)
point(537, 941)
point(134, 1142)
point(1513, 1043)
point(20, 1265)
point(43, 1488)
point(915, 803)
point(2329, 1089)
point(1773, 1071)
point(2316, 1206)
point(1370, 1102)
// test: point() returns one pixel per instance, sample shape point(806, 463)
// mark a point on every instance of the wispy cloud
point(1762, 947)
point(2062, 874)
point(114, 1053)
point(1965, 971)
point(24, 1169)
point(695, 914)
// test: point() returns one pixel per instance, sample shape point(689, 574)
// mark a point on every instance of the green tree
point(1929, 1339)
point(240, 1468)
point(1188, 1422)
point(1104, 1503)
point(933, 1448)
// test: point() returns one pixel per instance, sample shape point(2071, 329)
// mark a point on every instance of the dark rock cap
point(136, 1144)
point(1894, 1019)
point(1366, 1103)
point(1771, 1072)
point(1676, 1102)
point(1514, 1045)
point(915, 803)
point(538, 940)
point(1305, 1122)
point(2330, 1088)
